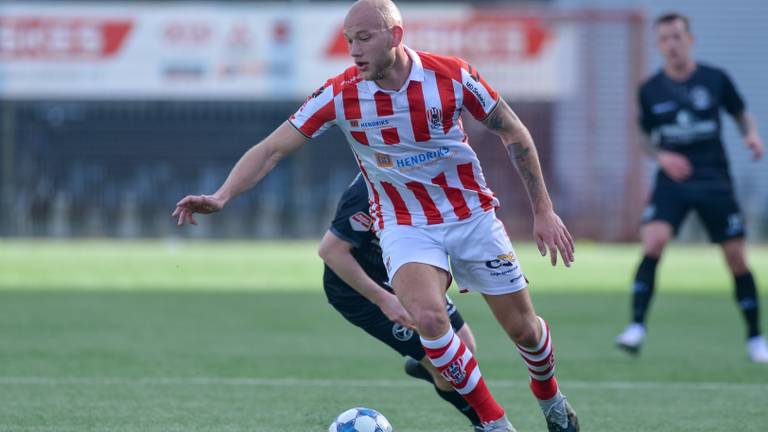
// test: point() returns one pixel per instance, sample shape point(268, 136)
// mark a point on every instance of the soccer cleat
point(758, 349)
point(417, 370)
point(478, 428)
point(631, 339)
point(500, 425)
point(561, 417)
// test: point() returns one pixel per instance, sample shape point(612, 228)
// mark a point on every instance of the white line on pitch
point(296, 382)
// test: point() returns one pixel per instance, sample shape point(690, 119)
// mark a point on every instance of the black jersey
point(352, 223)
point(685, 118)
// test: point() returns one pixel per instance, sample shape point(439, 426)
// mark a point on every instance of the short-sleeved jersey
point(353, 224)
point(410, 144)
point(685, 117)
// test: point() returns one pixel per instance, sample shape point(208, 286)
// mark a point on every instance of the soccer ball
point(360, 420)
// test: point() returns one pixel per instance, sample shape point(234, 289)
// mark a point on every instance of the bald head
point(382, 12)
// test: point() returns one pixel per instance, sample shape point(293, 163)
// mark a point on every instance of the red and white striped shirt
point(410, 144)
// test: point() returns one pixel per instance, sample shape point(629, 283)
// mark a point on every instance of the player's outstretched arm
point(549, 231)
point(337, 254)
point(252, 167)
point(748, 128)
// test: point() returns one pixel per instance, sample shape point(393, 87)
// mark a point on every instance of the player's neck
point(398, 73)
point(680, 72)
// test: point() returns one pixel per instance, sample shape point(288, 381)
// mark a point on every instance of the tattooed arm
point(549, 231)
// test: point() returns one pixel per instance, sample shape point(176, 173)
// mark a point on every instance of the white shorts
point(481, 255)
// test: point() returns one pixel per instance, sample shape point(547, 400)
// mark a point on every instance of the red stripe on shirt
point(383, 104)
point(376, 199)
point(360, 136)
point(430, 209)
point(401, 210)
point(455, 196)
point(467, 177)
point(473, 105)
point(418, 112)
point(318, 119)
point(390, 136)
point(351, 103)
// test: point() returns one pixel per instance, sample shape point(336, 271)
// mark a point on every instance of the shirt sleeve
point(317, 114)
point(645, 116)
point(479, 97)
point(352, 223)
point(732, 100)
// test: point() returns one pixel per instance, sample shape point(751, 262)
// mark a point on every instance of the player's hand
point(755, 144)
point(191, 204)
point(674, 165)
point(552, 235)
point(394, 310)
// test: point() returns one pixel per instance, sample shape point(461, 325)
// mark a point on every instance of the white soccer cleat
point(631, 339)
point(758, 349)
point(500, 425)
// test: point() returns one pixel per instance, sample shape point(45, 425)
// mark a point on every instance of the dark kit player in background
point(680, 115)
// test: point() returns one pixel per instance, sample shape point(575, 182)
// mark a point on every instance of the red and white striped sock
point(458, 366)
point(541, 365)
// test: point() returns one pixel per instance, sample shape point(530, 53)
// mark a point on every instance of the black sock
point(642, 289)
point(455, 399)
point(746, 297)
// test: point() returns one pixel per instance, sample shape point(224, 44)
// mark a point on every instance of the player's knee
point(432, 323)
point(737, 262)
point(526, 335)
point(654, 246)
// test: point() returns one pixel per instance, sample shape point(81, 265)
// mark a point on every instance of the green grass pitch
point(221, 336)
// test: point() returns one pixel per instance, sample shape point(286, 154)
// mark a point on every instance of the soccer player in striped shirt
point(400, 111)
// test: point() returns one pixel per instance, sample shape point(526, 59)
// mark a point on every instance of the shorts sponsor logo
point(505, 260)
point(401, 333)
point(424, 158)
point(360, 221)
point(735, 225)
point(455, 372)
point(383, 160)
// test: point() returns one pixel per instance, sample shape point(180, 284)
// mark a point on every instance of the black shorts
point(372, 320)
point(715, 204)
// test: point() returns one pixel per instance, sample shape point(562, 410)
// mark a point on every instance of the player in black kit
point(356, 284)
point(680, 114)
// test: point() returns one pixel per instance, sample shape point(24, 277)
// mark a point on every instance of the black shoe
point(573, 421)
point(415, 369)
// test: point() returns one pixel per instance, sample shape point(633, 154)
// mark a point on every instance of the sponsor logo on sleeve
point(361, 221)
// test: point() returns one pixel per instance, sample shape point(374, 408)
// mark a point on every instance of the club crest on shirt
point(700, 98)
point(435, 118)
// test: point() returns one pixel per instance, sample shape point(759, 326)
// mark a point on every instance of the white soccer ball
point(360, 419)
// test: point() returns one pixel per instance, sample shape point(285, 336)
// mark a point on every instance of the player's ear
point(397, 35)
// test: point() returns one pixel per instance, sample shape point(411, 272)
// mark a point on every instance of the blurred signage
point(242, 51)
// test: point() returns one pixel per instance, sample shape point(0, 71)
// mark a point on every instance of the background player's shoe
point(500, 425)
point(758, 349)
point(417, 370)
point(561, 417)
point(631, 339)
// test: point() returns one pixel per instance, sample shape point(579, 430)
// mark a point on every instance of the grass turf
point(196, 336)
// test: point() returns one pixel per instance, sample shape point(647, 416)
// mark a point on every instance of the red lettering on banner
point(480, 36)
point(39, 38)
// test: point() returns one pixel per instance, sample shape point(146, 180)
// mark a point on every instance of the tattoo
point(495, 120)
point(527, 165)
